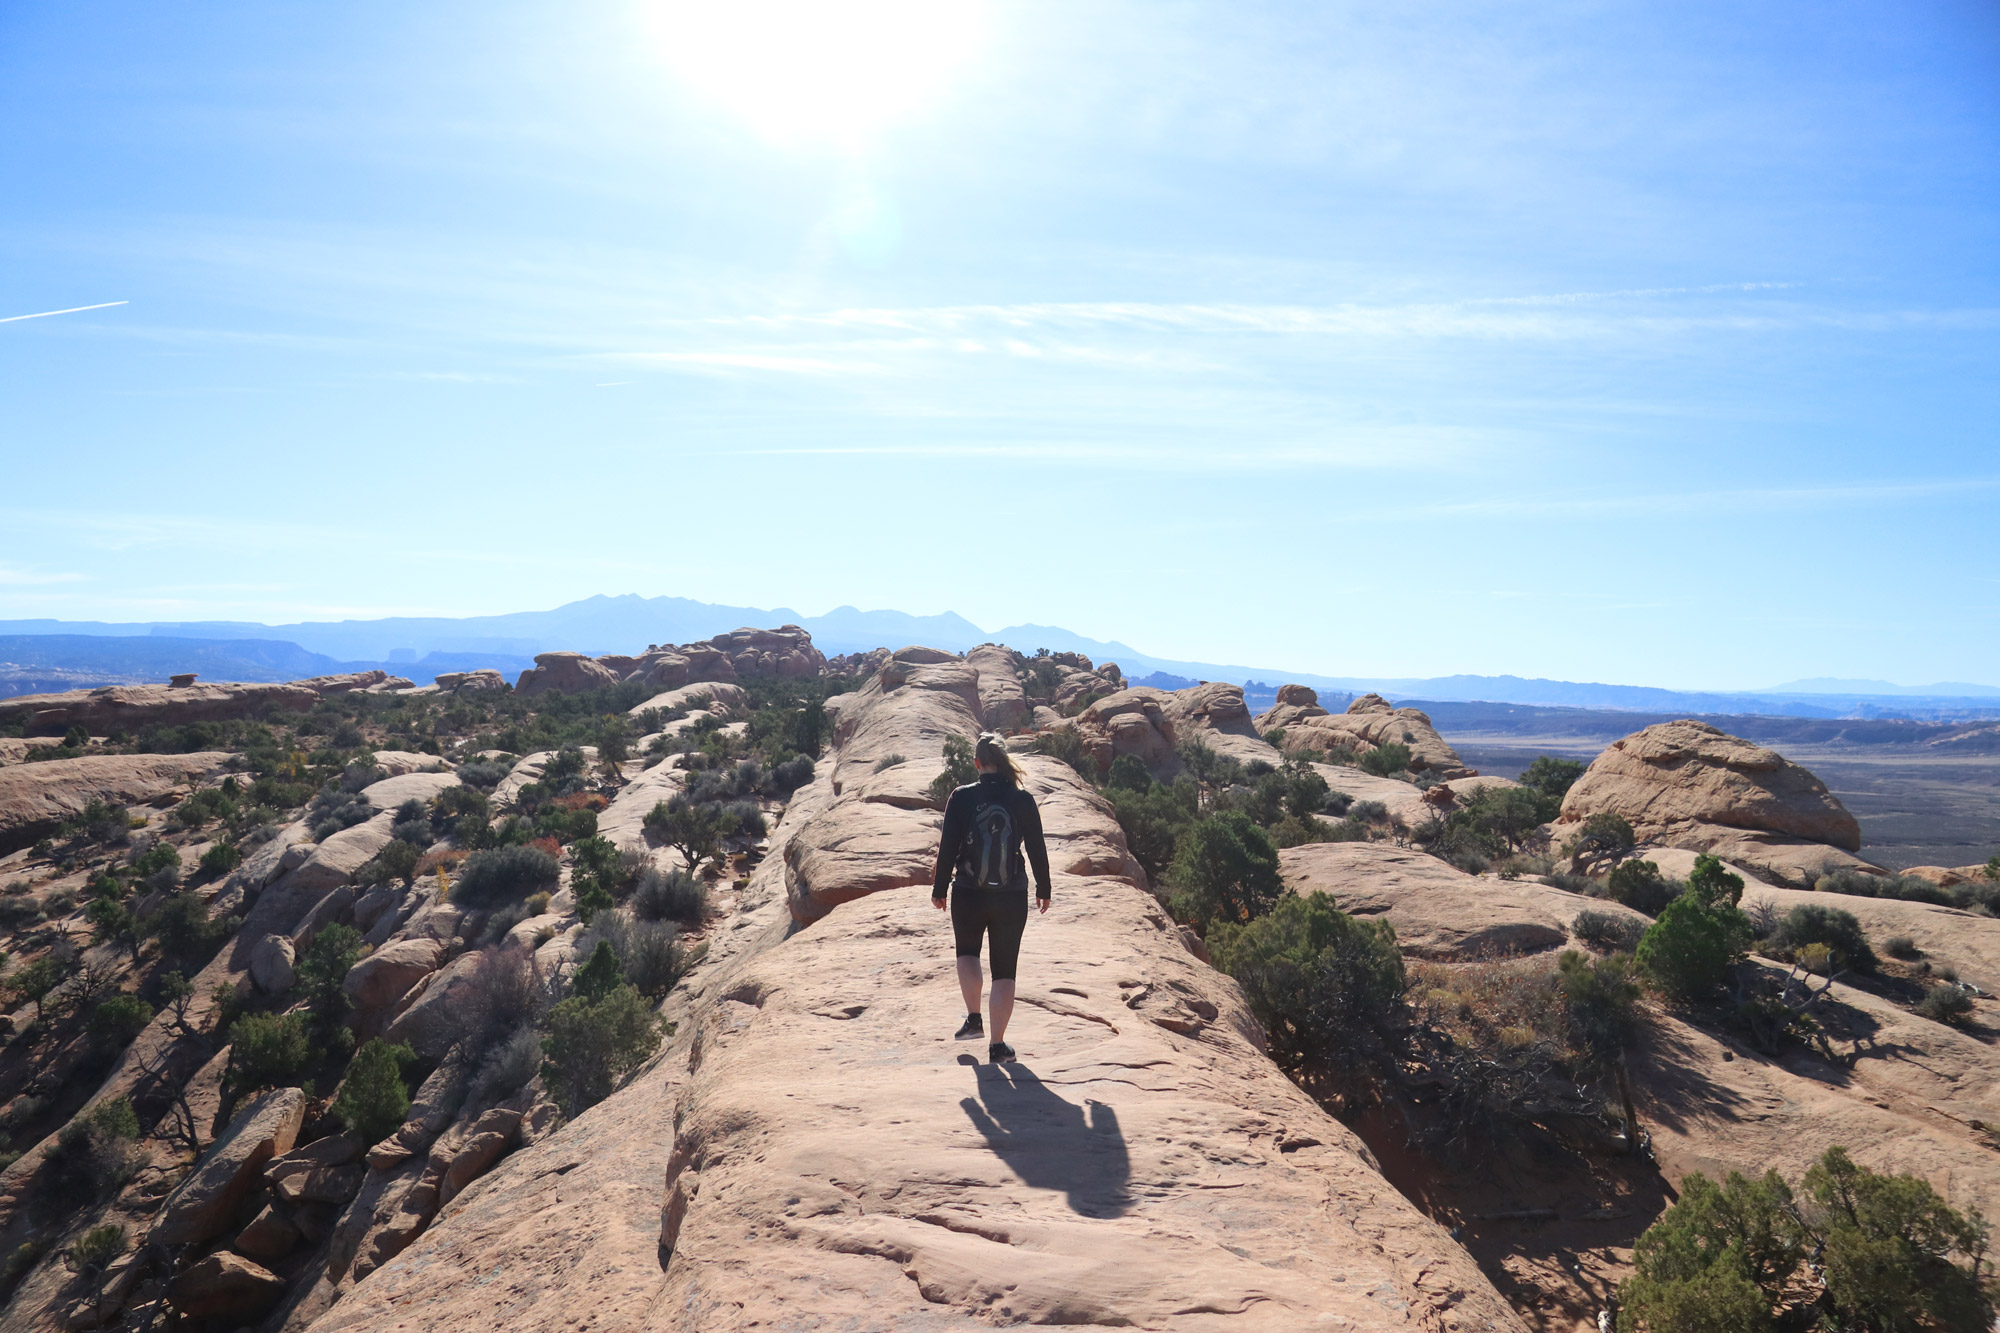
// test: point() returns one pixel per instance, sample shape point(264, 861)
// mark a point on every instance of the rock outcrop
point(201, 1207)
point(1216, 715)
point(485, 678)
point(1685, 784)
point(1136, 721)
point(829, 1159)
point(1003, 704)
point(572, 673)
point(1369, 723)
point(746, 654)
point(36, 798)
point(131, 707)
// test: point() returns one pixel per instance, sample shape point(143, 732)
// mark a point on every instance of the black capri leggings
point(1001, 912)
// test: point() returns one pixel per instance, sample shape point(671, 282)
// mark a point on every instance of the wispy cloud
point(725, 362)
point(72, 310)
point(23, 578)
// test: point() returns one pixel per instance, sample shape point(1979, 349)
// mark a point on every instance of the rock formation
point(569, 672)
point(1136, 721)
point(784, 653)
point(1369, 722)
point(811, 1150)
point(1685, 784)
point(36, 798)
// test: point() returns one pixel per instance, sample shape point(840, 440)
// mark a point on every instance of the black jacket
point(958, 811)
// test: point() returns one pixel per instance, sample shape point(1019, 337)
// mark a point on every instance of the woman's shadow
point(1050, 1143)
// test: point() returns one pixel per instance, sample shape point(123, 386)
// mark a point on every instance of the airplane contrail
point(44, 314)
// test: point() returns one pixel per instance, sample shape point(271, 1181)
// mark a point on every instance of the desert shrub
point(1718, 1261)
point(1224, 868)
point(1764, 917)
point(396, 861)
point(1603, 999)
point(788, 775)
point(1902, 946)
point(1209, 766)
point(1152, 819)
point(94, 1250)
point(16, 913)
point(484, 774)
point(119, 1019)
point(93, 1154)
point(1388, 760)
point(1337, 803)
point(1128, 773)
point(186, 934)
point(221, 858)
point(1369, 812)
point(324, 966)
point(501, 873)
point(592, 1044)
point(59, 902)
point(348, 736)
point(1993, 866)
point(672, 896)
point(1550, 779)
point(508, 1065)
point(1860, 884)
point(1945, 1002)
point(103, 822)
point(500, 994)
point(1689, 950)
point(958, 770)
point(1607, 932)
point(646, 952)
point(889, 761)
point(1327, 986)
point(1640, 886)
point(373, 1098)
point(1577, 884)
point(267, 1050)
point(155, 860)
point(1603, 837)
point(1888, 1243)
point(1839, 931)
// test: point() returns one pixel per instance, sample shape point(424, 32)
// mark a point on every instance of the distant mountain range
point(97, 652)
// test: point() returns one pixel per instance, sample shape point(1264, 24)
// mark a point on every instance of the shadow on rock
point(1050, 1143)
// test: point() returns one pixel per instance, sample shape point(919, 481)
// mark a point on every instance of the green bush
point(373, 1099)
point(1603, 837)
point(220, 859)
point(1603, 1000)
point(673, 896)
point(1209, 767)
point(694, 829)
point(1388, 760)
point(1839, 931)
point(324, 966)
point(1688, 952)
point(1128, 773)
point(1153, 819)
point(267, 1051)
point(1327, 987)
point(119, 1019)
point(958, 770)
point(94, 1250)
point(1640, 886)
point(1888, 1245)
point(159, 857)
point(1945, 1002)
point(93, 1154)
point(1550, 779)
point(1224, 868)
point(503, 873)
point(1607, 931)
point(1718, 1261)
point(186, 934)
point(645, 952)
point(592, 1044)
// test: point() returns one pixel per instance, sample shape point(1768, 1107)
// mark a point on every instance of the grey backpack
point(992, 851)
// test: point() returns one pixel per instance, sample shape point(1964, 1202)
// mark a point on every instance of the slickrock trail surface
point(812, 1151)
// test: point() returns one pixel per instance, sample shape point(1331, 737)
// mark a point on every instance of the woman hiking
point(986, 825)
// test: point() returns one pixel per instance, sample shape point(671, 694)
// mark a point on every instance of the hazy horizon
point(1599, 342)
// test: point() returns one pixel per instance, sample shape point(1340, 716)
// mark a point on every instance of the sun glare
point(820, 69)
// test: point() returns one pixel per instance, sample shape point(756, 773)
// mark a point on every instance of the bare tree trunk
point(1625, 1095)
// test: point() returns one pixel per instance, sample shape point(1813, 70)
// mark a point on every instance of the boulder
point(416, 786)
point(347, 682)
point(571, 673)
point(132, 707)
point(332, 863)
point(528, 770)
point(271, 964)
point(427, 1019)
point(396, 763)
point(1298, 696)
point(1686, 784)
point(36, 798)
point(333, 906)
point(472, 1159)
point(226, 1287)
point(270, 1235)
point(1003, 704)
point(378, 981)
point(1135, 722)
point(718, 697)
point(202, 1206)
point(1369, 723)
point(1439, 911)
point(1216, 715)
point(785, 653)
point(485, 678)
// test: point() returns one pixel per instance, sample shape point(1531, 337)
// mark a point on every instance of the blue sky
point(1610, 341)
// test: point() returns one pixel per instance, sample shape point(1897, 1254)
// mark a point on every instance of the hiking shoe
point(972, 1027)
point(1000, 1052)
